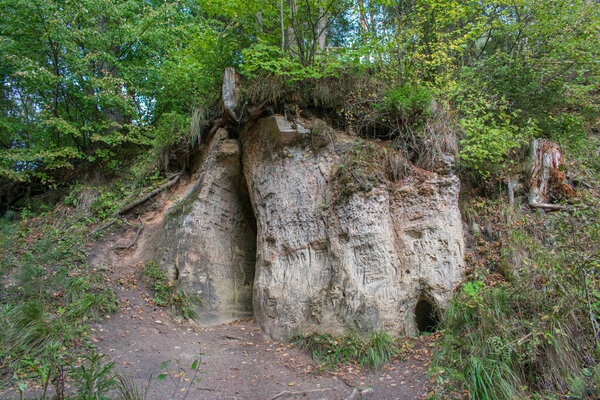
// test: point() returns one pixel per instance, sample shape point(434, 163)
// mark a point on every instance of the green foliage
point(166, 295)
point(359, 170)
point(412, 102)
point(81, 78)
point(94, 379)
point(489, 139)
point(49, 296)
point(178, 375)
point(264, 59)
point(130, 390)
point(375, 352)
point(536, 334)
point(87, 82)
point(170, 130)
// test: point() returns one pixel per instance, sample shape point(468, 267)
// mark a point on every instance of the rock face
point(334, 263)
point(271, 227)
point(207, 242)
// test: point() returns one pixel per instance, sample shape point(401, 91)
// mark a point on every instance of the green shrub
point(412, 102)
point(489, 137)
point(94, 378)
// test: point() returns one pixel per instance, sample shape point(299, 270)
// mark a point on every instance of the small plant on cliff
point(374, 352)
point(165, 294)
point(359, 169)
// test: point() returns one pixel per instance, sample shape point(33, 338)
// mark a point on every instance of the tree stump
point(546, 175)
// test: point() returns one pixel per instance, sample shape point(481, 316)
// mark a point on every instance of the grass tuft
point(166, 294)
point(374, 352)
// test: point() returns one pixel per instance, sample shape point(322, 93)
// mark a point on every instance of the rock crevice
point(208, 240)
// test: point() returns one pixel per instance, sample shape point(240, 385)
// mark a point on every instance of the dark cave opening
point(426, 317)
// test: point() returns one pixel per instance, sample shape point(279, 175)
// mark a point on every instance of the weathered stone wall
point(360, 263)
point(207, 242)
point(303, 256)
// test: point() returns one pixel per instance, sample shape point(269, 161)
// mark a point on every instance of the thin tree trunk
point(282, 28)
point(322, 32)
point(292, 41)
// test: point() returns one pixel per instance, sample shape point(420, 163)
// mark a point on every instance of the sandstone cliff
point(333, 248)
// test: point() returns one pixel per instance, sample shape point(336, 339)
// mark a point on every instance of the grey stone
point(230, 92)
point(306, 257)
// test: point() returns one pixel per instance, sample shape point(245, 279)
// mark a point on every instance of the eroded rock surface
point(308, 254)
point(207, 242)
point(335, 263)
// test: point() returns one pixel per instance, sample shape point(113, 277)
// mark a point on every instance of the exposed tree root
point(148, 196)
point(135, 239)
point(174, 179)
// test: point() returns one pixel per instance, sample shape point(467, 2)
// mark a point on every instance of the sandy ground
point(236, 360)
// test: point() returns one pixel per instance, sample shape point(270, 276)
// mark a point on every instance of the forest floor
point(236, 360)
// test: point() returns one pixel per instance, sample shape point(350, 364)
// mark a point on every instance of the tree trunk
point(292, 43)
point(282, 28)
point(113, 114)
point(322, 32)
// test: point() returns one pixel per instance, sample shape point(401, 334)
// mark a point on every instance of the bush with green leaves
point(412, 102)
point(490, 137)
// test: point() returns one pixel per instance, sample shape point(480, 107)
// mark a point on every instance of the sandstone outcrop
point(207, 243)
point(331, 264)
point(276, 225)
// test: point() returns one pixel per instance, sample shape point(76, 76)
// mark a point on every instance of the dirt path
point(236, 360)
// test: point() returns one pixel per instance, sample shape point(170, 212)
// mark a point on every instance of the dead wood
point(546, 175)
point(102, 227)
point(148, 196)
point(358, 394)
point(548, 207)
point(303, 392)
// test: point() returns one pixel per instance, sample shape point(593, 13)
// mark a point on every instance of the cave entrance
point(426, 317)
